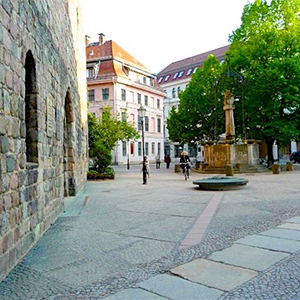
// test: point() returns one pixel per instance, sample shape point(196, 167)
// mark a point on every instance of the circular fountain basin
point(220, 183)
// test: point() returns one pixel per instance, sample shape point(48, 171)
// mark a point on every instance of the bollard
point(276, 169)
point(289, 166)
point(229, 170)
point(177, 168)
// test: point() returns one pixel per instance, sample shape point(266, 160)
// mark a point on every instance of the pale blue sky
point(158, 32)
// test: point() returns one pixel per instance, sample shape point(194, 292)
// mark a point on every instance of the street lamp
point(141, 112)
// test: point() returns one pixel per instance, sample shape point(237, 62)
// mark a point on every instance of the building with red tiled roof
point(173, 79)
point(117, 80)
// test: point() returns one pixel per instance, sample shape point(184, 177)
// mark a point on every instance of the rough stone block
point(4, 144)
point(10, 163)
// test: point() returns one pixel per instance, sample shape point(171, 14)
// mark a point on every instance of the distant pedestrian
point(146, 164)
point(157, 160)
point(167, 160)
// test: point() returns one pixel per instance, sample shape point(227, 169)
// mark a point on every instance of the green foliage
point(200, 114)
point(266, 50)
point(108, 173)
point(104, 133)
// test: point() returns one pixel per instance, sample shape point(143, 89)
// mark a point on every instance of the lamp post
point(141, 112)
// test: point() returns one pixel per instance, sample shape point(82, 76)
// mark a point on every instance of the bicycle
point(185, 170)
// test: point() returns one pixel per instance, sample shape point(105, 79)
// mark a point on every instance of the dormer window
point(160, 79)
point(180, 74)
point(167, 77)
point(189, 72)
point(175, 75)
point(195, 70)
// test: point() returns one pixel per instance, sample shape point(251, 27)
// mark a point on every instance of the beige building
point(117, 80)
point(173, 79)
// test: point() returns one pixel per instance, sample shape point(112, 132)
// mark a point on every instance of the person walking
point(147, 166)
point(167, 161)
point(157, 160)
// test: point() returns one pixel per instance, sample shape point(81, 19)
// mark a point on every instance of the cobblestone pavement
point(126, 232)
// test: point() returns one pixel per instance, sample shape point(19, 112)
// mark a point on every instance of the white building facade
point(117, 80)
point(173, 79)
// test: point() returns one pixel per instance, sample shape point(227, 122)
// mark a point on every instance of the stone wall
point(43, 124)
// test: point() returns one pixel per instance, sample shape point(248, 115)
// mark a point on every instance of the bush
point(109, 173)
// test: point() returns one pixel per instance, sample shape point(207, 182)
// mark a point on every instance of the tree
point(104, 134)
point(266, 50)
point(200, 115)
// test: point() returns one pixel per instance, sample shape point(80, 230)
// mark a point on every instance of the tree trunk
point(270, 152)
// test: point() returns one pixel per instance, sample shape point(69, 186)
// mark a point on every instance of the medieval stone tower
point(43, 121)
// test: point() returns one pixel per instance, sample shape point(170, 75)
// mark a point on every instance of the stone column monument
point(229, 117)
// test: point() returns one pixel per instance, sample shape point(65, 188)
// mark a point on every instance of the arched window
point(69, 181)
point(31, 114)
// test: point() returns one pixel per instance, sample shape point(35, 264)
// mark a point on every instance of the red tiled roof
point(111, 50)
point(186, 64)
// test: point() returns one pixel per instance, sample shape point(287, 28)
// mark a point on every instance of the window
point(151, 82)
point(146, 123)
point(140, 149)
point(195, 70)
point(175, 75)
point(146, 100)
point(167, 77)
point(189, 72)
point(139, 96)
point(160, 79)
point(147, 148)
point(173, 92)
point(90, 72)
point(178, 89)
point(144, 80)
point(91, 95)
point(123, 94)
point(124, 116)
point(157, 103)
point(105, 94)
point(180, 74)
point(152, 148)
point(158, 125)
point(31, 112)
point(158, 148)
point(132, 148)
point(124, 148)
point(139, 123)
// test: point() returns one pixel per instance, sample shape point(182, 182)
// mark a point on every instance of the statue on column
point(229, 117)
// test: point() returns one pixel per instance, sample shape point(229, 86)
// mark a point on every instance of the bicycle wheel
point(185, 174)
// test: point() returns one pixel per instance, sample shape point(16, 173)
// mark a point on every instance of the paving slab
point(179, 289)
point(248, 257)
point(214, 274)
point(270, 243)
point(294, 220)
point(134, 294)
point(293, 226)
point(283, 233)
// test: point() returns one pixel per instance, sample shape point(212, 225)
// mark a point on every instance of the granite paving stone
point(294, 220)
point(179, 289)
point(270, 243)
point(283, 233)
point(214, 274)
point(134, 294)
point(293, 226)
point(248, 257)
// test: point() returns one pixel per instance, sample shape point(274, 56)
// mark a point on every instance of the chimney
point(101, 37)
point(87, 40)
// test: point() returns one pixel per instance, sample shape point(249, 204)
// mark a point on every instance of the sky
point(159, 32)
